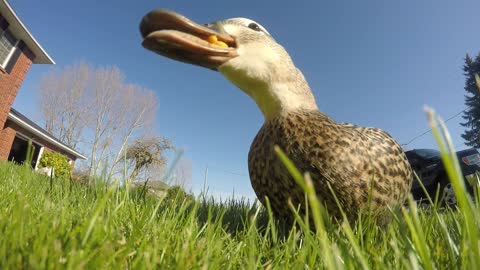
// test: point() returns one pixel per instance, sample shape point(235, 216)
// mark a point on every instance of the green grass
point(70, 226)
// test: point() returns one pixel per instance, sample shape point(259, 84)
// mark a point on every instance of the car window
point(428, 153)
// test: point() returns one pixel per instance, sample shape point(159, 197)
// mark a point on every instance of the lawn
point(62, 225)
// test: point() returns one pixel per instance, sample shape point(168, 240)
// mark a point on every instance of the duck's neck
point(284, 97)
point(277, 95)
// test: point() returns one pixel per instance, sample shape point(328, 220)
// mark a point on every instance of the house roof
point(21, 32)
point(35, 129)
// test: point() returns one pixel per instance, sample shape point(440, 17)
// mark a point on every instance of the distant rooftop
point(21, 32)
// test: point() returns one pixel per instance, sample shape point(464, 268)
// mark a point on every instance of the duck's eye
point(254, 26)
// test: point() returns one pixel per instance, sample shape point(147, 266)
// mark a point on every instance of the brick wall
point(7, 135)
point(9, 85)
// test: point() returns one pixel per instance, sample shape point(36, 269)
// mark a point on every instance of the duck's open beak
point(175, 36)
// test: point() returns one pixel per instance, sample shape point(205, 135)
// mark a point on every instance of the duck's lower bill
point(177, 37)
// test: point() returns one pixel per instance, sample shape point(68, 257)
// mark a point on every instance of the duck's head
point(240, 49)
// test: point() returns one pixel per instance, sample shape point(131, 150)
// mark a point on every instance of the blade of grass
point(307, 185)
point(455, 175)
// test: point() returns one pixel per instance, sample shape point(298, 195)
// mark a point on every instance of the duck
point(354, 169)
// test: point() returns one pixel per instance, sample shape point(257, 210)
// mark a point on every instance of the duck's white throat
point(273, 96)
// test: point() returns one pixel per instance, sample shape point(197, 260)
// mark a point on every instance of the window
point(7, 46)
point(19, 150)
point(428, 153)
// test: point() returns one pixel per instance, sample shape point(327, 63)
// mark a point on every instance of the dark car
point(428, 165)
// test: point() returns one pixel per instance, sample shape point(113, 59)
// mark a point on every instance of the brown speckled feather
point(350, 158)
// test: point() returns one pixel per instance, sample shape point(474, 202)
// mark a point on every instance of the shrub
point(58, 162)
point(177, 193)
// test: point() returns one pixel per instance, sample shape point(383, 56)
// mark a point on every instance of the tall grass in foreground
point(74, 227)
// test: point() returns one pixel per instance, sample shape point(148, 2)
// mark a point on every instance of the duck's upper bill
point(177, 37)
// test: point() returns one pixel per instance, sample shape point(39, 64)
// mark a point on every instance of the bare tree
point(96, 107)
point(141, 104)
point(106, 86)
point(147, 153)
point(63, 102)
point(182, 174)
point(120, 111)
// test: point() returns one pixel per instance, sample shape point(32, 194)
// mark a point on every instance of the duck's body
point(365, 167)
point(348, 158)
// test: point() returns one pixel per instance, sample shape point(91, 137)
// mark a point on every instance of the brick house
point(18, 51)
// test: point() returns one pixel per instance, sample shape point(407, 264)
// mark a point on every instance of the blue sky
point(372, 63)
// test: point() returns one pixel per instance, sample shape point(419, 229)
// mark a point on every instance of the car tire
point(447, 194)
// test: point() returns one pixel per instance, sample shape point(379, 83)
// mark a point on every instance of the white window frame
point(26, 138)
point(12, 51)
point(40, 153)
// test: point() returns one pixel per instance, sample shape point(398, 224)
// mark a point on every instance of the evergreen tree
point(472, 101)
